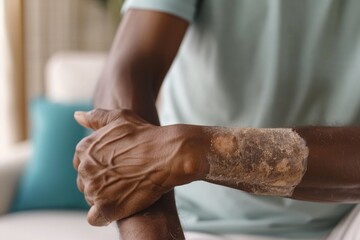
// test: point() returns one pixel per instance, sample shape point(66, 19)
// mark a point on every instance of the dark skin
point(142, 53)
point(333, 172)
point(143, 162)
point(132, 78)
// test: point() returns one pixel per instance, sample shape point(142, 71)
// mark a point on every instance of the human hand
point(128, 164)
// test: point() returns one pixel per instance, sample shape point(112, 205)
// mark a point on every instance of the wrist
point(124, 89)
point(189, 162)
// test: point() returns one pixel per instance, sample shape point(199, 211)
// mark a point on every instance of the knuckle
point(84, 143)
point(87, 141)
point(92, 189)
point(83, 169)
point(79, 148)
point(87, 169)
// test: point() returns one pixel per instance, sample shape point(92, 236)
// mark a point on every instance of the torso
point(265, 64)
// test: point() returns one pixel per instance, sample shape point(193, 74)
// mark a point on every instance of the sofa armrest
point(11, 167)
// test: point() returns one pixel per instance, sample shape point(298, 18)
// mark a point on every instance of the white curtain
point(57, 25)
point(12, 112)
point(30, 32)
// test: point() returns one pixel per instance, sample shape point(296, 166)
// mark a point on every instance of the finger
point(76, 162)
point(95, 119)
point(80, 148)
point(80, 184)
point(96, 218)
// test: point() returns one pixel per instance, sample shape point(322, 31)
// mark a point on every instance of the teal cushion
point(49, 180)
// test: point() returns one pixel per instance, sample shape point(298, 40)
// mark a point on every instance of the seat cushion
point(55, 225)
point(72, 225)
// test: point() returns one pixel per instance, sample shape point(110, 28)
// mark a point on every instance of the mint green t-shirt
point(261, 63)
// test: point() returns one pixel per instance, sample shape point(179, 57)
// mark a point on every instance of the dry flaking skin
point(259, 160)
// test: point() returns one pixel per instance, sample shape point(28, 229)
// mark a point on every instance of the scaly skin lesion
point(262, 161)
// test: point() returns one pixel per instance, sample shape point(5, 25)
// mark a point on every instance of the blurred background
point(31, 32)
point(51, 55)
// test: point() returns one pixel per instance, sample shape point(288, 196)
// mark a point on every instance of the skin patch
point(258, 160)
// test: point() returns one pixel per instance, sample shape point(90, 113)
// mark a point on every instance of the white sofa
point(70, 77)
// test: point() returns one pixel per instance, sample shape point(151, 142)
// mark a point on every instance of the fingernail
point(80, 117)
point(79, 114)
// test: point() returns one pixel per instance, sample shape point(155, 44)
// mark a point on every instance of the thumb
point(94, 119)
point(96, 218)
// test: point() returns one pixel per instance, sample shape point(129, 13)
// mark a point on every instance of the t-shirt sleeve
point(185, 9)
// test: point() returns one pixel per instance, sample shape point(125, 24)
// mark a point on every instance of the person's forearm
point(160, 221)
point(312, 163)
point(143, 50)
point(333, 171)
point(260, 161)
point(156, 222)
point(315, 164)
point(142, 53)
